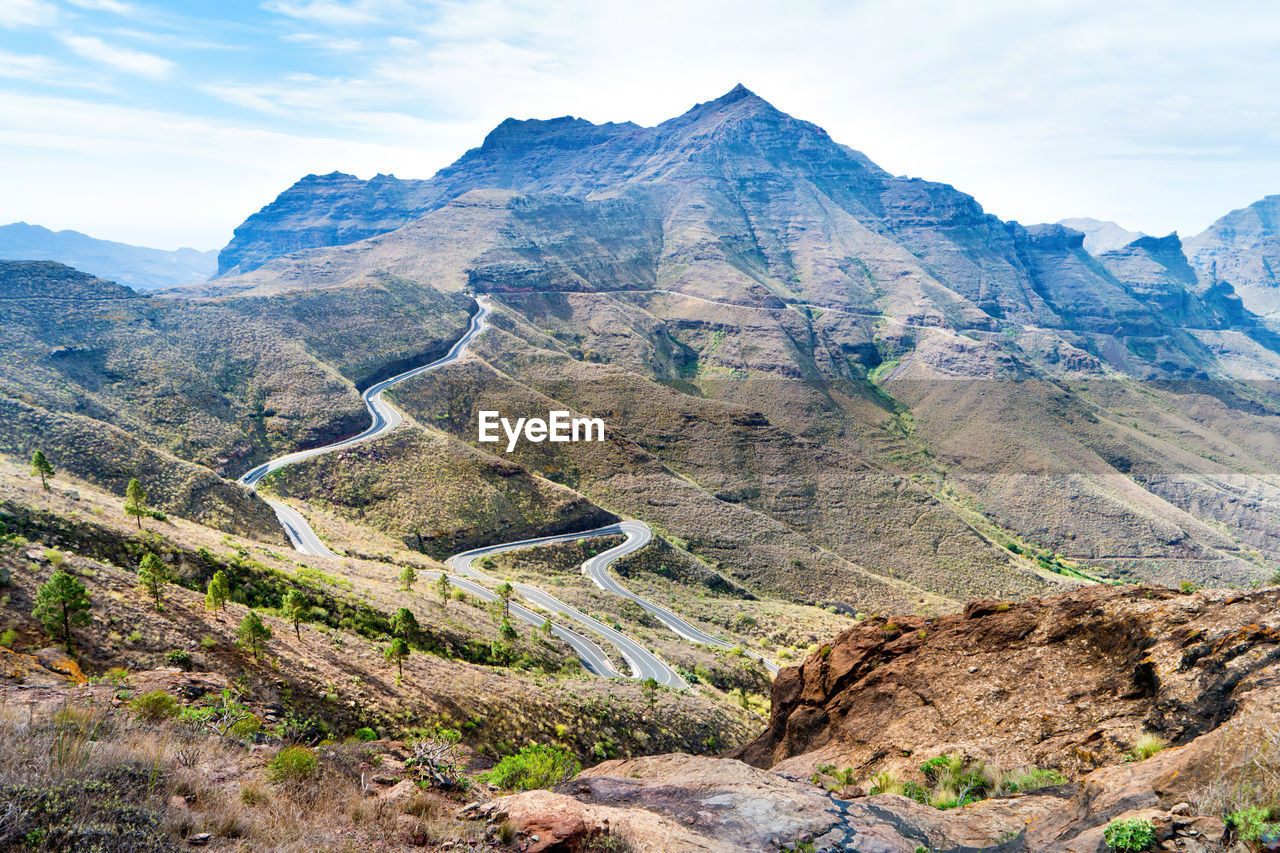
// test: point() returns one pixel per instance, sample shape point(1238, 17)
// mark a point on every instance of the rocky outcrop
point(678, 803)
point(1068, 682)
point(322, 210)
point(1064, 682)
point(50, 667)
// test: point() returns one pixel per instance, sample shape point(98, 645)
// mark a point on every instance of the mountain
point(136, 266)
point(811, 358)
point(827, 384)
point(968, 475)
point(1099, 235)
point(1243, 248)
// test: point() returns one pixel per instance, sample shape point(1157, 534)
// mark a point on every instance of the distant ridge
point(136, 266)
point(1101, 236)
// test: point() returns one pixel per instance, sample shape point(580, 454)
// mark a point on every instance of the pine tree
point(508, 631)
point(443, 586)
point(294, 607)
point(505, 592)
point(397, 651)
point(62, 603)
point(252, 633)
point(546, 627)
point(135, 500)
point(408, 577)
point(405, 625)
point(40, 466)
point(219, 590)
point(154, 576)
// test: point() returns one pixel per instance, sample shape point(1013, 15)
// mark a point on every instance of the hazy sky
point(165, 124)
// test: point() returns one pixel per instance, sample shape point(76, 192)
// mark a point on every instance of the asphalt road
point(592, 656)
point(638, 535)
point(383, 418)
point(642, 662)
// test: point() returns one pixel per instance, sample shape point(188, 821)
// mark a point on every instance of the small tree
point(294, 607)
point(252, 633)
point(650, 688)
point(505, 592)
point(41, 467)
point(546, 627)
point(405, 625)
point(62, 602)
point(219, 590)
point(408, 577)
point(507, 631)
point(154, 576)
point(397, 651)
point(444, 587)
point(135, 500)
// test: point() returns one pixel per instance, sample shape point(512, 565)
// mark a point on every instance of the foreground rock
point(675, 803)
point(1066, 683)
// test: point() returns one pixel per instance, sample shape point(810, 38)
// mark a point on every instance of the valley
point(882, 485)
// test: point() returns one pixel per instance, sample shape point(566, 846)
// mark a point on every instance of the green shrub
point(1130, 835)
point(246, 728)
point(1146, 746)
point(155, 706)
point(90, 815)
point(886, 782)
point(1254, 823)
point(179, 657)
point(365, 734)
point(209, 643)
point(915, 791)
point(292, 764)
point(534, 766)
point(1030, 780)
point(8, 638)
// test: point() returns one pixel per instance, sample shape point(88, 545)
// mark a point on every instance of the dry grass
point(136, 768)
point(1248, 768)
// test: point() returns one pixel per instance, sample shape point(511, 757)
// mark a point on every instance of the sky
point(166, 124)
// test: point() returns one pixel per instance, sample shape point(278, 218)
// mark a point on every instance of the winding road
point(643, 663)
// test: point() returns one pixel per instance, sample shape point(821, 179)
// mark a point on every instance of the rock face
point(1068, 682)
point(1243, 248)
point(738, 181)
point(322, 210)
point(679, 803)
point(1063, 683)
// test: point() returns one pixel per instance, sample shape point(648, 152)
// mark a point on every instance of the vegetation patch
point(534, 766)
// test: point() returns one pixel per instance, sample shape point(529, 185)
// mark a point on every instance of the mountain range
point(135, 266)
point(829, 383)
point(957, 481)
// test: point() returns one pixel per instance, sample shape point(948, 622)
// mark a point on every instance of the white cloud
point(116, 7)
point(26, 66)
point(27, 13)
point(120, 58)
point(164, 179)
point(334, 13)
point(1158, 113)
